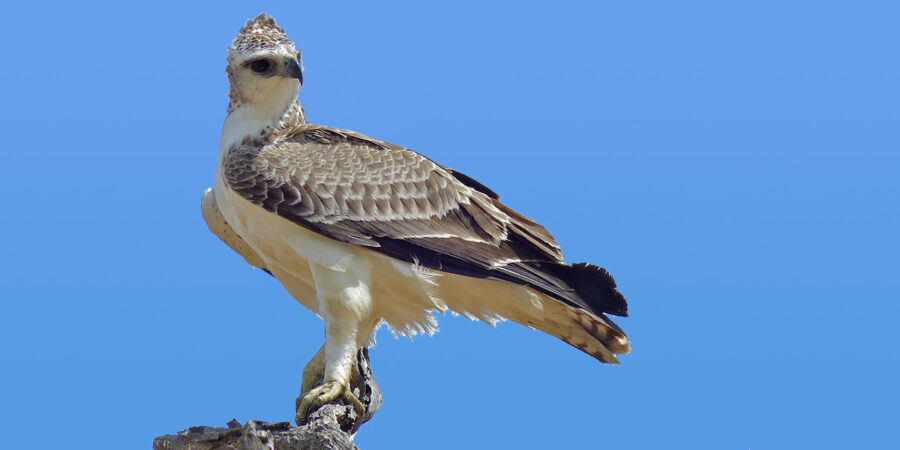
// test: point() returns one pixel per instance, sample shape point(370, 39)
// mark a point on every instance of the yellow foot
point(323, 394)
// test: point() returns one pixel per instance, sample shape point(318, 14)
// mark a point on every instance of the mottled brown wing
point(366, 192)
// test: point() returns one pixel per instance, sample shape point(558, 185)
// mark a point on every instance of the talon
point(324, 394)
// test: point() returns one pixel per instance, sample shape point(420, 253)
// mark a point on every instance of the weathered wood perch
point(330, 427)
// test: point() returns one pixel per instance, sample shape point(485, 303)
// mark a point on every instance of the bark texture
point(330, 427)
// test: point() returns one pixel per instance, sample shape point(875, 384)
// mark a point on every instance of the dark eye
point(260, 66)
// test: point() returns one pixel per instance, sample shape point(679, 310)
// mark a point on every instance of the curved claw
point(323, 394)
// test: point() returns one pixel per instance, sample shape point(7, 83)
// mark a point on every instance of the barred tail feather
point(581, 296)
point(586, 326)
point(596, 336)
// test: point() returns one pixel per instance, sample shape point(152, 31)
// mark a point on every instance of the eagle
point(363, 232)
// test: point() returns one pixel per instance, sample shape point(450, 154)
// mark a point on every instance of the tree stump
point(330, 427)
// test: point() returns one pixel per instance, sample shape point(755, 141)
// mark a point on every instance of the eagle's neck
point(259, 119)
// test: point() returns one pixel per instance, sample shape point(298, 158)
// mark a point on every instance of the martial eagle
point(363, 232)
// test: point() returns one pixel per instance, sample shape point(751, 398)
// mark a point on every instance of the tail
point(566, 302)
point(586, 326)
point(595, 335)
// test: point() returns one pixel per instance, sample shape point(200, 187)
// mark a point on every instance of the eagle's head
point(264, 68)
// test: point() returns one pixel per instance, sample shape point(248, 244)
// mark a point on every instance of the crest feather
point(259, 33)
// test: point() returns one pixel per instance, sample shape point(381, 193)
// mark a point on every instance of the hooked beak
point(293, 69)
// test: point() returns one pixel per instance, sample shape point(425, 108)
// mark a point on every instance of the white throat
point(263, 113)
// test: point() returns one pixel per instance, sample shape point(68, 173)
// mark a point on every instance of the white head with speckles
point(264, 69)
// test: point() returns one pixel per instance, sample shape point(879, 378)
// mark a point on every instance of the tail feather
point(582, 296)
point(485, 299)
point(590, 330)
point(595, 335)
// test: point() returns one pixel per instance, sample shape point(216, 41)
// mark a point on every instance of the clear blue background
point(734, 165)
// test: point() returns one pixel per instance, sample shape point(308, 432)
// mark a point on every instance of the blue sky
point(733, 164)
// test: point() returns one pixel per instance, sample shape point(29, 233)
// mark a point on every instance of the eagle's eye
point(260, 65)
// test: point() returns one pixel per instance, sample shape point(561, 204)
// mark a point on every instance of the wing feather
point(367, 192)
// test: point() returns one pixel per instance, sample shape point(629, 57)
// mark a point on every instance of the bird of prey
point(363, 232)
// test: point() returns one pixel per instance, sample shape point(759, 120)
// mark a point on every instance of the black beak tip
point(294, 70)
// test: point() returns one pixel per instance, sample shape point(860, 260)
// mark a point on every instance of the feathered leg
point(344, 303)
